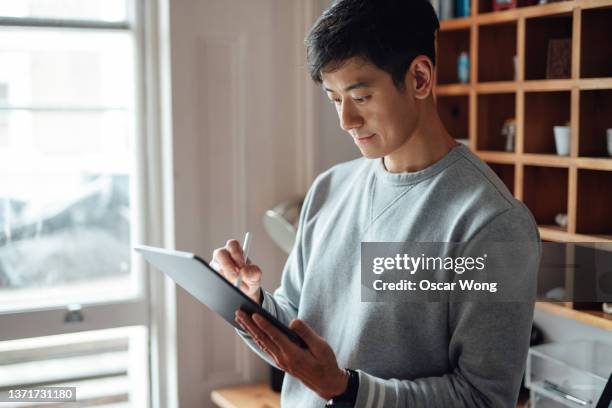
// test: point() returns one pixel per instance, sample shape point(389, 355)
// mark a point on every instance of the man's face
point(379, 116)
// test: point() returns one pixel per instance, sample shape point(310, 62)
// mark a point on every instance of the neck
point(428, 143)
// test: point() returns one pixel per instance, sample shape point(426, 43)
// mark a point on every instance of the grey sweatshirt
point(447, 354)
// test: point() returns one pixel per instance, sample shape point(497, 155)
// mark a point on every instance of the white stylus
point(245, 250)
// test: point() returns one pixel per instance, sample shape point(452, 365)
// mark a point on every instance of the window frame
point(154, 306)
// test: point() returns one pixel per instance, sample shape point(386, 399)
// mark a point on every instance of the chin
point(371, 154)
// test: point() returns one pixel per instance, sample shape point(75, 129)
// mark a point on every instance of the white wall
point(241, 117)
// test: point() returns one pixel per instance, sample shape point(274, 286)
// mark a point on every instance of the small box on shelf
point(452, 45)
point(496, 52)
point(594, 205)
point(544, 111)
point(494, 110)
point(596, 119)
point(596, 52)
point(453, 112)
point(548, 51)
point(545, 192)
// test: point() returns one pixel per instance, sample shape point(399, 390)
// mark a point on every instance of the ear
point(420, 77)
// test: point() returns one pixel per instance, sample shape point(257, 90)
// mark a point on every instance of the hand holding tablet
point(212, 288)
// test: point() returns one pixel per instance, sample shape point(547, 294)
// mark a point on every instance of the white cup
point(609, 133)
point(562, 140)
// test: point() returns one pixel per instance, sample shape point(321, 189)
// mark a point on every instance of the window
point(68, 202)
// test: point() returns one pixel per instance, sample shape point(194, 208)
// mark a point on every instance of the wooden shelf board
point(560, 234)
point(548, 160)
point(554, 233)
point(591, 317)
point(587, 4)
point(594, 163)
point(595, 83)
point(456, 24)
point(452, 89)
point(539, 85)
point(543, 85)
point(496, 17)
point(497, 157)
point(496, 87)
point(255, 396)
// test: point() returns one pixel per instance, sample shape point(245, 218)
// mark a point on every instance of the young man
point(375, 60)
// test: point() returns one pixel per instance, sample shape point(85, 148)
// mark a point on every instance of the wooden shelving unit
point(508, 79)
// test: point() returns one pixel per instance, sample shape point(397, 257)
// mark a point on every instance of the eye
point(361, 99)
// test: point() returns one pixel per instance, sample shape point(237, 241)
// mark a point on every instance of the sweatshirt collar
point(401, 179)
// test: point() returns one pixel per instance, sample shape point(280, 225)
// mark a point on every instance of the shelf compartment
point(453, 112)
point(543, 110)
point(545, 192)
point(596, 54)
point(492, 111)
point(594, 202)
point(506, 174)
point(595, 118)
point(450, 45)
point(497, 40)
point(539, 34)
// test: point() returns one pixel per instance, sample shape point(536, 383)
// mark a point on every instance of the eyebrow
point(356, 85)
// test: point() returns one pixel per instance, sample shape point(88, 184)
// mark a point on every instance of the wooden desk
point(247, 396)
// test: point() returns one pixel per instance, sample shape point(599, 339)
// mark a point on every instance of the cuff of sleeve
point(268, 303)
point(372, 391)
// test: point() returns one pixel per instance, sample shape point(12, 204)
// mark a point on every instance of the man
point(375, 60)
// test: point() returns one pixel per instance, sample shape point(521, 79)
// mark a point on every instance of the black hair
point(386, 33)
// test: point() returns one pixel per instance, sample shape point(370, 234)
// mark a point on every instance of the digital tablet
point(198, 278)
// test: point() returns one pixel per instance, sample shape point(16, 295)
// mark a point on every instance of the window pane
point(66, 126)
point(107, 367)
point(57, 68)
point(102, 10)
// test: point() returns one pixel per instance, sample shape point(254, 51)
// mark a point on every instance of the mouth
point(364, 139)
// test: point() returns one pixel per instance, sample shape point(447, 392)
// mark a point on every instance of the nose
point(349, 116)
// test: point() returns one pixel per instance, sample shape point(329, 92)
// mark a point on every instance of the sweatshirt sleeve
point(488, 341)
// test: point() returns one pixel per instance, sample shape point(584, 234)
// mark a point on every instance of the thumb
point(310, 337)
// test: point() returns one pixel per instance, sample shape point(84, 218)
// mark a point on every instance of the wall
point(240, 120)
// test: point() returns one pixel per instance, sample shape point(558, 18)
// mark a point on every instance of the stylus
point(245, 250)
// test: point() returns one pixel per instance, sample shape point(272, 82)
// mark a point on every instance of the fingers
point(314, 342)
point(279, 338)
point(226, 265)
point(229, 259)
point(260, 337)
point(233, 247)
